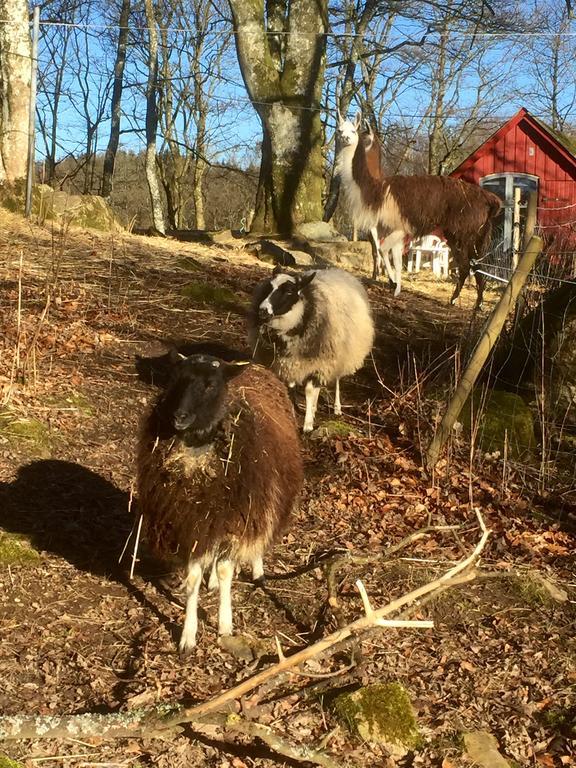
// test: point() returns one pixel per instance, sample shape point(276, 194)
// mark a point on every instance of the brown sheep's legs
point(258, 569)
point(193, 579)
point(225, 572)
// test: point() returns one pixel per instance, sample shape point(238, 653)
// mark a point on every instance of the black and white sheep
point(219, 472)
point(312, 329)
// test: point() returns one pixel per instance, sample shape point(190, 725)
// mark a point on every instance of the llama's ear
point(357, 120)
point(229, 370)
point(305, 280)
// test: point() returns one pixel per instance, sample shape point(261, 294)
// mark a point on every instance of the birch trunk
point(152, 121)
point(114, 140)
point(283, 75)
point(15, 61)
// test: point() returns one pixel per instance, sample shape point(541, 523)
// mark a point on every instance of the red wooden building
point(526, 153)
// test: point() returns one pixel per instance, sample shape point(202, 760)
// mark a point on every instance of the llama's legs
point(394, 242)
point(376, 255)
point(193, 579)
point(480, 283)
point(225, 571)
point(388, 267)
point(257, 569)
point(312, 391)
point(463, 273)
point(397, 250)
point(337, 403)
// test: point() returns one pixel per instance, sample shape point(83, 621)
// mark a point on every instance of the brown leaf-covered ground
point(77, 635)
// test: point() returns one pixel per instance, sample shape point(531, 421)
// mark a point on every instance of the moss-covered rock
point(86, 211)
point(333, 428)
point(34, 434)
point(215, 295)
point(6, 762)
point(16, 549)
point(497, 418)
point(380, 713)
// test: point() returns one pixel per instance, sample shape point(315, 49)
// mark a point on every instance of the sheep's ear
point(229, 370)
point(175, 357)
point(357, 120)
point(305, 280)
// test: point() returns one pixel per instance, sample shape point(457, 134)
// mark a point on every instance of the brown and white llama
point(416, 205)
point(379, 257)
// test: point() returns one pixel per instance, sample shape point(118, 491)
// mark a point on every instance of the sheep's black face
point(283, 297)
point(194, 400)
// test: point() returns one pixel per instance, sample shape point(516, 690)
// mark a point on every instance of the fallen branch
point(153, 721)
point(279, 744)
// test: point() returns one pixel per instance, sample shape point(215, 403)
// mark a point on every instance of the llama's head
point(195, 397)
point(347, 130)
point(282, 305)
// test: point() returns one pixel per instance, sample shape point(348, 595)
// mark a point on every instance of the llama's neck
point(374, 159)
point(363, 192)
point(344, 163)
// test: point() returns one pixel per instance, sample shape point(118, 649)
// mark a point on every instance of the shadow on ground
point(70, 511)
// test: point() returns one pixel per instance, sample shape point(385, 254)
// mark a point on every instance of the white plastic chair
point(435, 249)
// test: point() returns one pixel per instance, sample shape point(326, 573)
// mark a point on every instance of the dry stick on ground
point(148, 722)
point(335, 563)
point(485, 344)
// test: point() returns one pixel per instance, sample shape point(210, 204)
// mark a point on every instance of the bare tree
point(152, 120)
point(459, 85)
point(15, 58)
point(550, 62)
point(281, 52)
point(115, 106)
point(190, 72)
point(91, 83)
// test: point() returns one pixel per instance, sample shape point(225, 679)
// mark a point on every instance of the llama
point(219, 472)
point(374, 163)
point(415, 205)
point(315, 328)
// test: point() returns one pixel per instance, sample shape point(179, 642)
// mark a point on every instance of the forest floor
point(79, 635)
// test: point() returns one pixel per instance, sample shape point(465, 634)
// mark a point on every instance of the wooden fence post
point(482, 350)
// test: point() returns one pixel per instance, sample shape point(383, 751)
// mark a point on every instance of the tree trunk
point(437, 121)
point(114, 140)
point(197, 179)
point(152, 121)
point(15, 61)
point(284, 76)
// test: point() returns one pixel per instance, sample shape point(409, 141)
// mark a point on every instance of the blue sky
point(235, 130)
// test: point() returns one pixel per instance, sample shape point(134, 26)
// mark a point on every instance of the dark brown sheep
point(219, 472)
